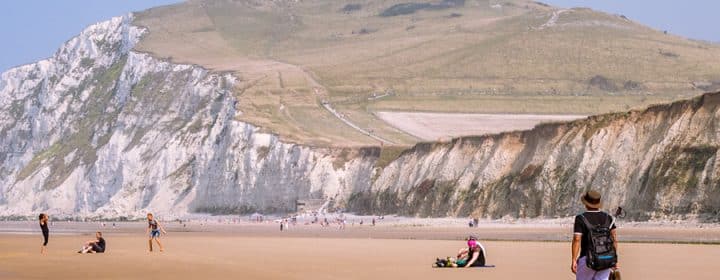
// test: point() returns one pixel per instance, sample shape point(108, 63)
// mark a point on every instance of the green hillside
point(442, 56)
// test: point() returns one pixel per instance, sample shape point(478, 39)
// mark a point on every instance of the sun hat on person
point(592, 199)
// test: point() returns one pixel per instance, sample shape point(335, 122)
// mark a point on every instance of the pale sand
point(262, 252)
point(434, 126)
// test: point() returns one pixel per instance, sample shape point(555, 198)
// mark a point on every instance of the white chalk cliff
point(100, 130)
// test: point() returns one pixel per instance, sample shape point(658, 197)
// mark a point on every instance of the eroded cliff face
point(99, 130)
point(660, 163)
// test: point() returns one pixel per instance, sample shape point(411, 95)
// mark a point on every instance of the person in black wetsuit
point(43, 218)
point(94, 246)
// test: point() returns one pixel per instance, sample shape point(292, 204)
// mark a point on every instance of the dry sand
point(310, 252)
point(433, 126)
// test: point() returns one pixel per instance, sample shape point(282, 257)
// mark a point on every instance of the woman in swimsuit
point(153, 230)
point(43, 218)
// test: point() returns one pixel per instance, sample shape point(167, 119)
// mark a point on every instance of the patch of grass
point(678, 171)
point(388, 154)
point(87, 62)
point(38, 159)
point(262, 152)
point(603, 83)
point(349, 8)
point(88, 136)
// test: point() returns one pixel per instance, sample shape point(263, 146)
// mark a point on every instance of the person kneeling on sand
point(472, 256)
point(94, 246)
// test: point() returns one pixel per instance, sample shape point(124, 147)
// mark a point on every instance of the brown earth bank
point(263, 252)
point(657, 163)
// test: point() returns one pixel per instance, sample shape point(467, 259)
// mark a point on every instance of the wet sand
point(311, 252)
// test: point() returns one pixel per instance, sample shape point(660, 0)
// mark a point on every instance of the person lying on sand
point(94, 246)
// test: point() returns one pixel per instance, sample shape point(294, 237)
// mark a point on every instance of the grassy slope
point(290, 56)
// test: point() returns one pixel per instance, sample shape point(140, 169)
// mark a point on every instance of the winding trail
point(342, 118)
point(553, 19)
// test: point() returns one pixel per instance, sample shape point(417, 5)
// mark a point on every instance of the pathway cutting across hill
point(342, 118)
point(553, 19)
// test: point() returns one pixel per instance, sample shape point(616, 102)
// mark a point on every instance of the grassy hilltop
point(474, 56)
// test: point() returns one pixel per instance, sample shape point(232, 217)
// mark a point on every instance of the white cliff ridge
point(101, 130)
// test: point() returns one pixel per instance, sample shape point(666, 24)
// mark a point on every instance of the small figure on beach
point(43, 218)
point(471, 256)
point(594, 244)
point(94, 246)
point(154, 228)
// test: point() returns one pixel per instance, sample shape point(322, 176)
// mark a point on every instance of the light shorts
point(586, 273)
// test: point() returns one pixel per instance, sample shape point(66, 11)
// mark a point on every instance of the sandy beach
point(261, 251)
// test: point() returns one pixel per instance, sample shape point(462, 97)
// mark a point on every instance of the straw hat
point(592, 199)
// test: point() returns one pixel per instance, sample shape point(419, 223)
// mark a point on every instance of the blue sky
point(691, 18)
point(34, 29)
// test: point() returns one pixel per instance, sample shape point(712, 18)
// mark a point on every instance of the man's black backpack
point(601, 252)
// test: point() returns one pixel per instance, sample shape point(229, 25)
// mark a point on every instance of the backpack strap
point(586, 222)
point(611, 221)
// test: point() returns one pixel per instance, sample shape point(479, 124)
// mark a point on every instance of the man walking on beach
point(594, 245)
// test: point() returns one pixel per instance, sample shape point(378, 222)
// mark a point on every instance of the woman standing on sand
point(153, 230)
point(43, 218)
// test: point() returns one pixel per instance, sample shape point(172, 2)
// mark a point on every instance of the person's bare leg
point(150, 244)
point(159, 244)
point(42, 249)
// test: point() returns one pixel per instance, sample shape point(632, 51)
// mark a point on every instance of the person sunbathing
point(94, 246)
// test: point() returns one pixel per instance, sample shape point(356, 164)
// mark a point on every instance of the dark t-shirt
point(99, 246)
point(595, 218)
point(481, 257)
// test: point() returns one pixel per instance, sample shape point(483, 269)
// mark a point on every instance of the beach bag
point(601, 253)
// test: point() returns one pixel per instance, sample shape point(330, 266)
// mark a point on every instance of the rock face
point(99, 130)
point(660, 163)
